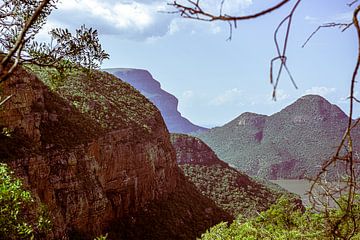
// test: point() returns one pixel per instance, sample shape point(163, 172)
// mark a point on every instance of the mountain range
point(164, 101)
point(99, 156)
point(290, 144)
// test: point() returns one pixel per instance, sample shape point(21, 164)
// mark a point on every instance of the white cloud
point(174, 27)
point(230, 96)
point(131, 19)
point(43, 35)
point(344, 17)
point(236, 6)
point(230, 7)
point(139, 19)
point(187, 94)
point(215, 28)
point(309, 18)
point(322, 91)
point(312, 19)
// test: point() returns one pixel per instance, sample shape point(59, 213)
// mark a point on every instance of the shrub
point(286, 221)
point(16, 220)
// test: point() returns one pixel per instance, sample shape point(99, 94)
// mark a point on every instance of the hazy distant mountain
point(289, 144)
point(167, 103)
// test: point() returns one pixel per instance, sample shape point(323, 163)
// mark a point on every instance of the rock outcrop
point(230, 189)
point(167, 103)
point(193, 151)
point(93, 150)
point(292, 143)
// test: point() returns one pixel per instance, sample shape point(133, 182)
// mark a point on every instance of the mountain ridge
point(167, 103)
point(291, 143)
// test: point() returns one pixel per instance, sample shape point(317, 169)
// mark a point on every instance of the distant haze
point(215, 80)
point(290, 144)
point(164, 101)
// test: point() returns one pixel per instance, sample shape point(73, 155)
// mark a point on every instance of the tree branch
point(343, 26)
point(20, 38)
point(196, 12)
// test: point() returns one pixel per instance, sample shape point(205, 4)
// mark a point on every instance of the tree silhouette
point(21, 21)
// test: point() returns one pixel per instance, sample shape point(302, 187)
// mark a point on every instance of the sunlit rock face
point(88, 169)
point(98, 155)
point(167, 103)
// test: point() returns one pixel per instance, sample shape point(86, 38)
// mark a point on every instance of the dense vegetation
point(19, 216)
point(21, 21)
point(231, 190)
point(289, 144)
point(109, 109)
point(102, 97)
point(86, 106)
point(285, 221)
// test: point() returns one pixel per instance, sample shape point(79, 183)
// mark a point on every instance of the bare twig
point(282, 51)
point(193, 10)
point(196, 12)
point(342, 26)
point(352, 3)
point(344, 156)
point(350, 179)
point(5, 100)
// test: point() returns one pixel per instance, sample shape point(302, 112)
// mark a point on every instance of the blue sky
point(216, 80)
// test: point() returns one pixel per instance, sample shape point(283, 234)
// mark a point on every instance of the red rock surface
point(94, 179)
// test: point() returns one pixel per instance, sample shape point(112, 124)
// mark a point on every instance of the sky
point(214, 79)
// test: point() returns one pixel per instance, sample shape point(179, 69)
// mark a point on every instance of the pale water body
point(299, 187)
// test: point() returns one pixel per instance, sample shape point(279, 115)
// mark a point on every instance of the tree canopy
point(21, 21)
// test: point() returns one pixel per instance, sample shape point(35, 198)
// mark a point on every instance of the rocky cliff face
point(167, 103)
point(87, 168)
point(292, 143)
point(184, 215)
point(98, 155)
point(192, 150)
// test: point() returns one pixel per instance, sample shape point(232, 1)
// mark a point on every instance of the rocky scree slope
point(92, 149)
point(290, 144)
point(232, 190)
point(167, 103)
